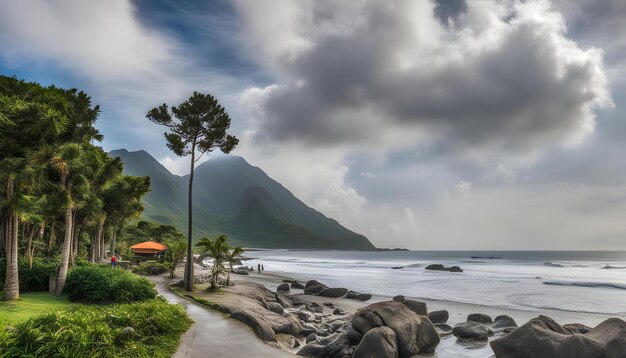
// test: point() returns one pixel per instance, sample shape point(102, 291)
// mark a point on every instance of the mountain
point(233, 197)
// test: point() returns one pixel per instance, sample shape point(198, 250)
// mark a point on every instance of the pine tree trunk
point(65, 255)
point(189, 263)
point(11, 281)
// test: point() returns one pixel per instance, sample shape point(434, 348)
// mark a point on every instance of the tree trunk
point(99, 239)
point(113, 239)
point(189, 263)
point(11, 280)
point(29, 246)
point(65, 254)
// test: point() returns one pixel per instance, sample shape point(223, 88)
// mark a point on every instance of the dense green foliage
point(150, 268)
point(33, 279)
point(60, 195)
point(95, 284)
point(98, 331)
point(147, 231)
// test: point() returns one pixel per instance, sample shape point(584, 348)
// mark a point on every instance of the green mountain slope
point(233, 197)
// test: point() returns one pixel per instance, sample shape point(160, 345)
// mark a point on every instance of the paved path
point(213, 335)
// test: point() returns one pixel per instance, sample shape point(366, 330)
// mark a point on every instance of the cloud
point(502, 76)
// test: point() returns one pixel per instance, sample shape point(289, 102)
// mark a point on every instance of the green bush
point(150, 268)
point(97, 331)
point(105, 284)
point(35, 279)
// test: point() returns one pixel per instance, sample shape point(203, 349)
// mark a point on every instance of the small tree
point(197, 125)
point(216, 249)
point(231, 255)
point(174, 254)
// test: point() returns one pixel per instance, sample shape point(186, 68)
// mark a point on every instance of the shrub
point(150, 268)
point(98, 331)
point(35, 279)
point(105, 284)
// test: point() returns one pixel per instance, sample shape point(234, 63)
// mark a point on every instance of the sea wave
point(552, 264)
point(618, 286)
point(609, 267)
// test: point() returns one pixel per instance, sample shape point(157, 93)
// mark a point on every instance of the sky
point(449, 124)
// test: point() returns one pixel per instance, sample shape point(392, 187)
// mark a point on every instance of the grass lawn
point(30, 304)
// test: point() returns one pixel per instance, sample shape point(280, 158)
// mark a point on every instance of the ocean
point(575, 281)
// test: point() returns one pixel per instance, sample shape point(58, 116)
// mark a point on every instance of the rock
point(328, 304)
point(283, 300)
point(305, 316)
point(415, 335)
point(379, 342)
point(314, 288)
point(296, 284)
point(503, 322)
point(399, 298)
point(335, 325)
point(416, 306)
point(310, 338)
point(397, 267)
point(337, 345)
point(443, 328)
point(440, 267)
point(311, 283)
point(439, 316)
point(576, 328)
point(358, 296)
point(312, 350)
point(314, 307)
point(354, 335)
point(240, 272)
point(338, 312)
point(283, 287)
point(275, 307)
point(334, 292)
point(542, 337)
point(288, 281)
point(479, 317)
point(472, 330)
point(307, 329)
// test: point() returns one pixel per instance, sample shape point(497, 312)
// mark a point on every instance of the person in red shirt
point(113, 261)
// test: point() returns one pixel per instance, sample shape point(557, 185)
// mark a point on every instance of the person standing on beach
point(259, 267)
point(262, 268)
point(113, 261)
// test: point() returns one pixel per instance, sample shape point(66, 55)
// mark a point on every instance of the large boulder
point(314, 288)
point(479, 317)
point(438, 316)
point(296, 284)
point(542, 337)
point(577, 328)
point(416, 306)
point(399, 298)
point(283, 287)
point(358, 296)
point(472, 331)
point(379, 342)
point(333, 292)
point(440, 267)
point(415, 334)
point(503, 323)
point(313, 350)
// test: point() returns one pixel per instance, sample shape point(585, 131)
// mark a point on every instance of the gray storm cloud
point(496, 75)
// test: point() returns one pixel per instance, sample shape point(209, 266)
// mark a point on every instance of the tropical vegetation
point(61, 196)
point(221, 253)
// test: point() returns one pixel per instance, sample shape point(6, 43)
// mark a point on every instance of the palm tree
point(175, 253)
point(216, 249)
point(64, 165)
point(231, 255)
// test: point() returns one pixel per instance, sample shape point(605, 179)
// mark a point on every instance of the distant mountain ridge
point(233, 197)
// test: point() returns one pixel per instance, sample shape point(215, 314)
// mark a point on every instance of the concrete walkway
point(213, 335)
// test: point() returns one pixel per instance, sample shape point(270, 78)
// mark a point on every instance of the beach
point(277, 263)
